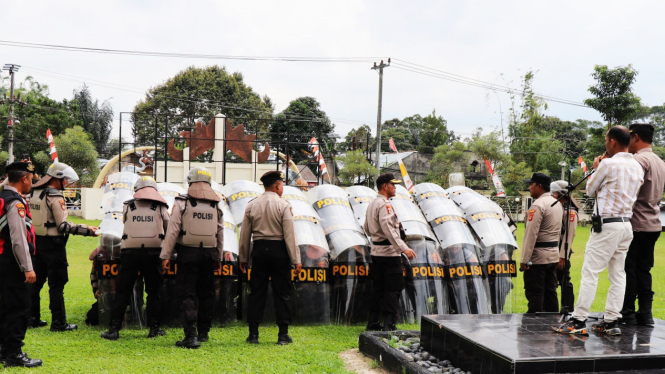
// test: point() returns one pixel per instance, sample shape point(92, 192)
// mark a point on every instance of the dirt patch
point(358, 363)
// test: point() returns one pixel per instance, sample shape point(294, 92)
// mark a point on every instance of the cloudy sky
point(489, 41)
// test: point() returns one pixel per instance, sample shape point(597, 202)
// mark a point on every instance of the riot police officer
point(196, 233)
point(146, 219)
point(568, 230)
point(17, 242)
point(387, 247)
point(47, 204)
point(269, 221)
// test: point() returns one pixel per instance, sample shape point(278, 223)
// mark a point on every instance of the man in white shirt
point(615, 184)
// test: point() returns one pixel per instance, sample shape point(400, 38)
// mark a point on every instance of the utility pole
point(12, 68)
point(378, 117)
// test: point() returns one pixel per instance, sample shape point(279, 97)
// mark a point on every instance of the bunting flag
point(402, 168)
point(500, 192)
point(53, 152)
point(314, 146)
point(582, 164)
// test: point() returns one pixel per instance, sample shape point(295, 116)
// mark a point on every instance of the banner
point(53, 152)
point(402, 169)
point(500, 192)
point(582, 164)
point(314, 146)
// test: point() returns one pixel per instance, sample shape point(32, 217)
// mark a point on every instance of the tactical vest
point(40, 209)
point(144, 227)
point(199, 223)
point(6, 197)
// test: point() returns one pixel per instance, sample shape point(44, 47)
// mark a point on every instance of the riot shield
point(118, 189)
point(349, 252)
point(169, 191)
point(238, 195)
point(467, 285)
point(410, 216)
point(487, 220)
point(226, 279)
point(359, 198)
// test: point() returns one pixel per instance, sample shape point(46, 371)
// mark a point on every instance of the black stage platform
point(521, 343)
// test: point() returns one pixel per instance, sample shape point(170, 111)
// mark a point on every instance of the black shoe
point(374, 326)
point(34, 322)
point(253, 339)
point(155, 332)
point(389, 322)
point(203, 337)
point(609, 328)
point(627, 318)
point(61, 326)
point(112, 334)
point(284, 339)
point(22, 360)
point(191, 343)
point(572, 326)
point(644, 319)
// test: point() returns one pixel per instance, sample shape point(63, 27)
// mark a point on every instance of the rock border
point(371, 344)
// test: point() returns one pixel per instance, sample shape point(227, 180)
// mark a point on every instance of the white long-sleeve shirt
point(615, 185)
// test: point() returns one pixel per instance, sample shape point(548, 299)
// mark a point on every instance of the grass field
point(315, 349)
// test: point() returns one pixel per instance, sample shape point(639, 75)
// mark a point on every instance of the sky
point(491, 41)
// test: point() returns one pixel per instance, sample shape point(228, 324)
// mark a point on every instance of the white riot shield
point(468, 288)
point(169, 191)
point(350, 254)
point(410, 216)
point(238, 195)
point(487, 220)
point(359, 198)
point(118, 189)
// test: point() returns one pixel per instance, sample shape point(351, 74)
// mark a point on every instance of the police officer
point(568, 229)
point(387, 246)
point(47, 204)
point(269, 221)
point(196, 233)
point(541, 247)
point(146, 219)
point(17, 241)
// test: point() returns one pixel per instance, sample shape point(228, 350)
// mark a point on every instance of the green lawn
point(315, 349)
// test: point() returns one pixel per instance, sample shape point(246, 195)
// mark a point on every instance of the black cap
point(272, 176)
point(540, 178)
point(387, 178)
point(642, 128)
point(20, 166)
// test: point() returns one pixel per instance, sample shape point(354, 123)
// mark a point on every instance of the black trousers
point(540, 288)
point(568, 293)
point(50, 263)
point(270, 264)
point(639, 262)
point(195, 279)
point(387, 284)
point(14, 305)
point(132, 261)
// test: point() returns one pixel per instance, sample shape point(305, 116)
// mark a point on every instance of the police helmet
point(61, 170)
point(143, 182)
point(199, 175)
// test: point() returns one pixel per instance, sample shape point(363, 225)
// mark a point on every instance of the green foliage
point(614, 98)
point(356, 168)
point(513, 175)
point(298, 123)
point(448, 158)
point(403, 140)
point(656, 116)
point(361, 139)
point(75, 148)
point(97, 118)
point(419, 133)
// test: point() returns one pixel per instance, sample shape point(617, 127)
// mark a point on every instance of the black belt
point(617, 219)
point(546, 244)
point(385, 242)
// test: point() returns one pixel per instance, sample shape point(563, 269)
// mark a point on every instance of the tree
point(356, 168)
point(297, 124)
point(97, 118)
point(403, 140)
point(361, 135)
point(448, 158)
point(76, 149)
point(434, 133)
point(419, 133)
point(614, 98)
point(198, 94)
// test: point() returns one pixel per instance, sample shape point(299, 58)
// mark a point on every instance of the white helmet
point(199, 175)
point(61, 170)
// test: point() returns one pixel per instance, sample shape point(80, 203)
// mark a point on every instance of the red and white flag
point(314, 146)
point(498, 186)
point(402, 168)
point(53, 152)
point(582, 164)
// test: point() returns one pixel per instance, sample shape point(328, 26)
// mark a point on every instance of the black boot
point(253, 337)
point(284, 339)
point(36, 322)
point(61, 326)
point(389, 322)
point(155, 330)
point(21, 359)
point(627, 317)
point(190, 340)
point(112, 334)
point(643, 315)
point(373, 324)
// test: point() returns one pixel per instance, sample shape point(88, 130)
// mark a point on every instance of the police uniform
point(146, 220)
point(568, 230)
point(382, 225)
point(268, 221)
point(196, 234)
point(541, 248)
point(52, 229)
point(17, 242)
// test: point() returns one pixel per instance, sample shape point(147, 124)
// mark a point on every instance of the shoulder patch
point(21, 209)
point(531, 213)
point(62, 204)
point(572, 216)
point(389, 208)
